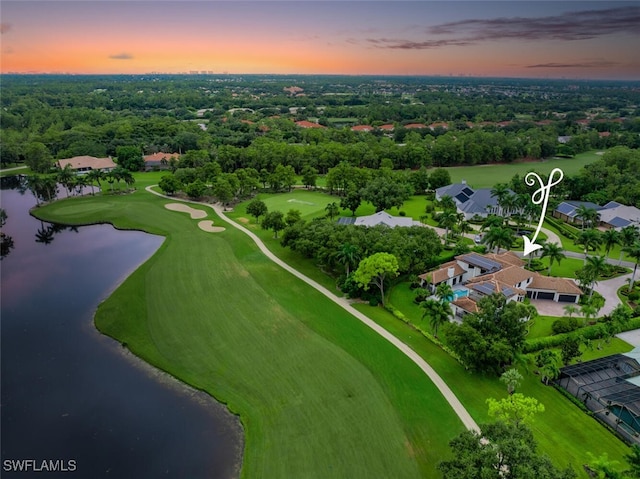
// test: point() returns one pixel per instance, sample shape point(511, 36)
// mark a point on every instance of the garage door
point(567, 298)
point(542, 295)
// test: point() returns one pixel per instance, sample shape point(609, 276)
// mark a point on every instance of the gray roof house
point(379, 218)
point(616, 215)
point(470, 202)
point(568, 210)
point(612, 215)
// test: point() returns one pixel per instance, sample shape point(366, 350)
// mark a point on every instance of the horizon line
point(354, 75)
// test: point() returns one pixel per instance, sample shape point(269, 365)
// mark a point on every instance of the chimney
point(450, 272)
point(464, 182)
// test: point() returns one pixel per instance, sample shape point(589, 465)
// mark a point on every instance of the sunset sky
point(547, 39)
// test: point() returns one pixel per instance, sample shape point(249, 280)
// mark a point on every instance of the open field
point(319, 394)
point(486, 176)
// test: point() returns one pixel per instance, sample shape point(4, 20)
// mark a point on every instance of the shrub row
point(597, 331)
point(566, 230)
point(399, 315)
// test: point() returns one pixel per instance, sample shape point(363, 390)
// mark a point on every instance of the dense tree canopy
point(490, 339)
point(416, 248)
point(502, 450)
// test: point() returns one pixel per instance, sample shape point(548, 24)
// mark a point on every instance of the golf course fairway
point(318, 393)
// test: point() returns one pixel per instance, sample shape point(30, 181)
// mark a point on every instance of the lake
point(74, 397)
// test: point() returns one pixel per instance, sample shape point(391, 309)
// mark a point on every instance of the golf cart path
point(451, 398)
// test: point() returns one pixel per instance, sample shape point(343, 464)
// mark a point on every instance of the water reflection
point(69, 393)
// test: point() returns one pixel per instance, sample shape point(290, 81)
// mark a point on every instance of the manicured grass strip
point(319, 393)
point(486, 176)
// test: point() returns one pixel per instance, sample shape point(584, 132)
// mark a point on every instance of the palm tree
point(348, 255)
point(459, 222)
point(127, 177)
point(587, 215)
point(447, 220)
point(95, 175)
point(588, 311)
point(66, 178)
point(609, 239)
point(444, 292)
point(532, 210)
point(554, 253)
point(595, 267)
point(447, 203)
point(439, 313)
point(111, 178)
point(492, 221)
point(571, 309)
point(634, 252)
point(512, 378)
point(590, 239)
point(332, 210)
point(500, 192)
point(498, 238)
point(509, 205)
point(628, 235)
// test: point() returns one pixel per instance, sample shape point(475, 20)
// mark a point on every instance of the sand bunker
point(194, 213)
point(207, 225)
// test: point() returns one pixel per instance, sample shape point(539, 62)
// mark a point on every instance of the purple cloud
point(592, 64)
point(569, 26)
point(121, 56)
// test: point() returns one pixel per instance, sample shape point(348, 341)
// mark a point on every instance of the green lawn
point(563, 431)
point(319, 394)
point(486, 176)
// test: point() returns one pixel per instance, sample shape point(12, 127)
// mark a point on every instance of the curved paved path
point(451, 398)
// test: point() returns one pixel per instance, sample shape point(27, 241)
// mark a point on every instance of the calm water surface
point(69, 393)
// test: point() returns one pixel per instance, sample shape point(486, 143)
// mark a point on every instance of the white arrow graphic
point(541, 195)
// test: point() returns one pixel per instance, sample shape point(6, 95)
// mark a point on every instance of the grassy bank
point(319, 394)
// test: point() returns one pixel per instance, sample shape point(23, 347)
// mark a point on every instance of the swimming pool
point(459, 293)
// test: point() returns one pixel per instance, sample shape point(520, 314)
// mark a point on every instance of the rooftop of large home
point(612, 215)
point(87, 163)
point(489, 286)
point(550, 283)
point(510, 275)
point(379, 218)
point(159, 156)
point(484, 263)
point(570, 208)
point(469, 201)
point(308, 124)
point(362, 128)
point(477, 275)
point(446, 271)
point(618, 215)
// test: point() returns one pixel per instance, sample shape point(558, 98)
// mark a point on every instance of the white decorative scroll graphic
point(541, 195)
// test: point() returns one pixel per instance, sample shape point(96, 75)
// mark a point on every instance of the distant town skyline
point(539, 39)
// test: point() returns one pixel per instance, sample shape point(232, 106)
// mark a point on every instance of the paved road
point(451, 398)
